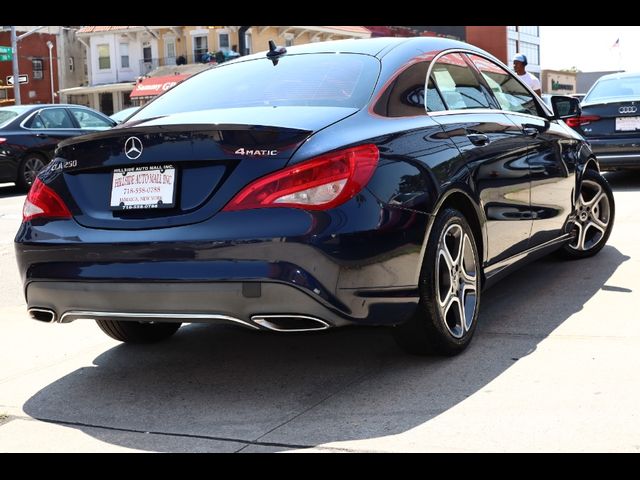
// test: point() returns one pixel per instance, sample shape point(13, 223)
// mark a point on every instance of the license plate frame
point(627, 124)
point(147, 187)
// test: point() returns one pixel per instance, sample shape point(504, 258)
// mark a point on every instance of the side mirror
point(565, 107)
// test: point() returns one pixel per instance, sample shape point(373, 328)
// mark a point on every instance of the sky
point(590, 49)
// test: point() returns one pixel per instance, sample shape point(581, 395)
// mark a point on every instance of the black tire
point(434, 329)
point(138, 332)
point(28, 170)
point(595, 211)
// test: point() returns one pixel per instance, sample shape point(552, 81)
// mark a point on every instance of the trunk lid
point(213, 153)
point(618, 118)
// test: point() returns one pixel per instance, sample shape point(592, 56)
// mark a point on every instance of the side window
point(35, 122)
point(434, 100)
point(510, 93)
point(55, 118)
point(405, 96)
point(90, 120)
point(458, 84)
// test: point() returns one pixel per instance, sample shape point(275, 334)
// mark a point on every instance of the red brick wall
point(35, 45)
point(491, 39)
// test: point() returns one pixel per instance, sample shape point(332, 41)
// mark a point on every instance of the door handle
point(478, 139)
point(530, 131)
point(41, 135)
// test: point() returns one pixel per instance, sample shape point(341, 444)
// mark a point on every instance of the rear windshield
point(341, 80)
point(614, 87)
point(6, 116)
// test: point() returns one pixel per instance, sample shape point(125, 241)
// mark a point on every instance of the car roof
point(619, 75)
point(378, 46)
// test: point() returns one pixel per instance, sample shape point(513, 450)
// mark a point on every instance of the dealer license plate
point(627, 124)
point(143, 187)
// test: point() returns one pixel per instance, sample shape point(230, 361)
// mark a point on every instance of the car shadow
point(228, 385)
point(10, 190)
point(626, 180)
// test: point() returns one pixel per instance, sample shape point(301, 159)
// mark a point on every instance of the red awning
point(150, 87)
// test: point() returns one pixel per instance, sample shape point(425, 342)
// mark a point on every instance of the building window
point(512, 28)
point(200, 47)
point(288, 42)
point(532, 51)
point(223, 41)
point(529, 30)
point(512, 49)
point(247, 44)
point(37, 68)
point(104, 59)
point(71, 64)
point(124, 55)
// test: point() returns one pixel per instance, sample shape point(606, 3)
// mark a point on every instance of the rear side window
point(457, 83)
point(510, 93)
point(405, 96)
point(90, 120)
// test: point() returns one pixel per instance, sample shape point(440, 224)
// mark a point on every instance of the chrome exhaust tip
point(290, 323)
point(42, 314)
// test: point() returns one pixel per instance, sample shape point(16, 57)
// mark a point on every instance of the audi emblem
point(133, 148)
point(631, 109)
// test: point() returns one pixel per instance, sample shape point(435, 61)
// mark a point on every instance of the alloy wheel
point(593, 213)
point(457, 277)
point(32, 167)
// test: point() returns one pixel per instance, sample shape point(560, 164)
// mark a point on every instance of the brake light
point(318, 184)
point(574, 122)
point(2, 139)
point(43, 202)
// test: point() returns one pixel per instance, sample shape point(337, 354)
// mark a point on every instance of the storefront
point(558, 83)
point(148, 88)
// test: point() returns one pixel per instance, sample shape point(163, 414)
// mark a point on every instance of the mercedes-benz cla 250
point(384, 181)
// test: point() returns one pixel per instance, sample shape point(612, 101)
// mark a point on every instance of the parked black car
point(30, 133)
point(319, 190)
point(610, 120)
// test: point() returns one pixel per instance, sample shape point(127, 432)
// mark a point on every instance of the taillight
point(43, 202)
point(574, 122)
point(318, 184)
point(2, 139)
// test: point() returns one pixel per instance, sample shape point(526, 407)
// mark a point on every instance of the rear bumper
point(244, 303)
point(367, 276)
point(616, 161)
point(616, 153)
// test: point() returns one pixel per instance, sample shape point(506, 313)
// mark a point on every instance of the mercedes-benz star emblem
point(631, 109)
point(133, 148)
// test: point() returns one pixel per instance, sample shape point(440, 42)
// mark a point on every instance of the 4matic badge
point(256, 153)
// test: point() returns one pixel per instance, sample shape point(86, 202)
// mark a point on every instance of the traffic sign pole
point(16, 80)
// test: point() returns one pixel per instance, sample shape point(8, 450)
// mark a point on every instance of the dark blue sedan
point(383, 181)
point(29, 135)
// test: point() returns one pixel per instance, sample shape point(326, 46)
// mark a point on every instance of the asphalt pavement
point(554, 366)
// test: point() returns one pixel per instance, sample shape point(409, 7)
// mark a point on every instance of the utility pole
point(16, 74)
point(16, 70)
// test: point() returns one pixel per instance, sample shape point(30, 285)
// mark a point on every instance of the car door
point(49, 126)
point(494, 150)
point(549, 151)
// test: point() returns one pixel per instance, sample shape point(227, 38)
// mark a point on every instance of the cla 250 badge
point(67, 164)
point(256, 153)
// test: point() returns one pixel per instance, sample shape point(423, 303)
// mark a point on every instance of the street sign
point(6, 54)
point(21, 79)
